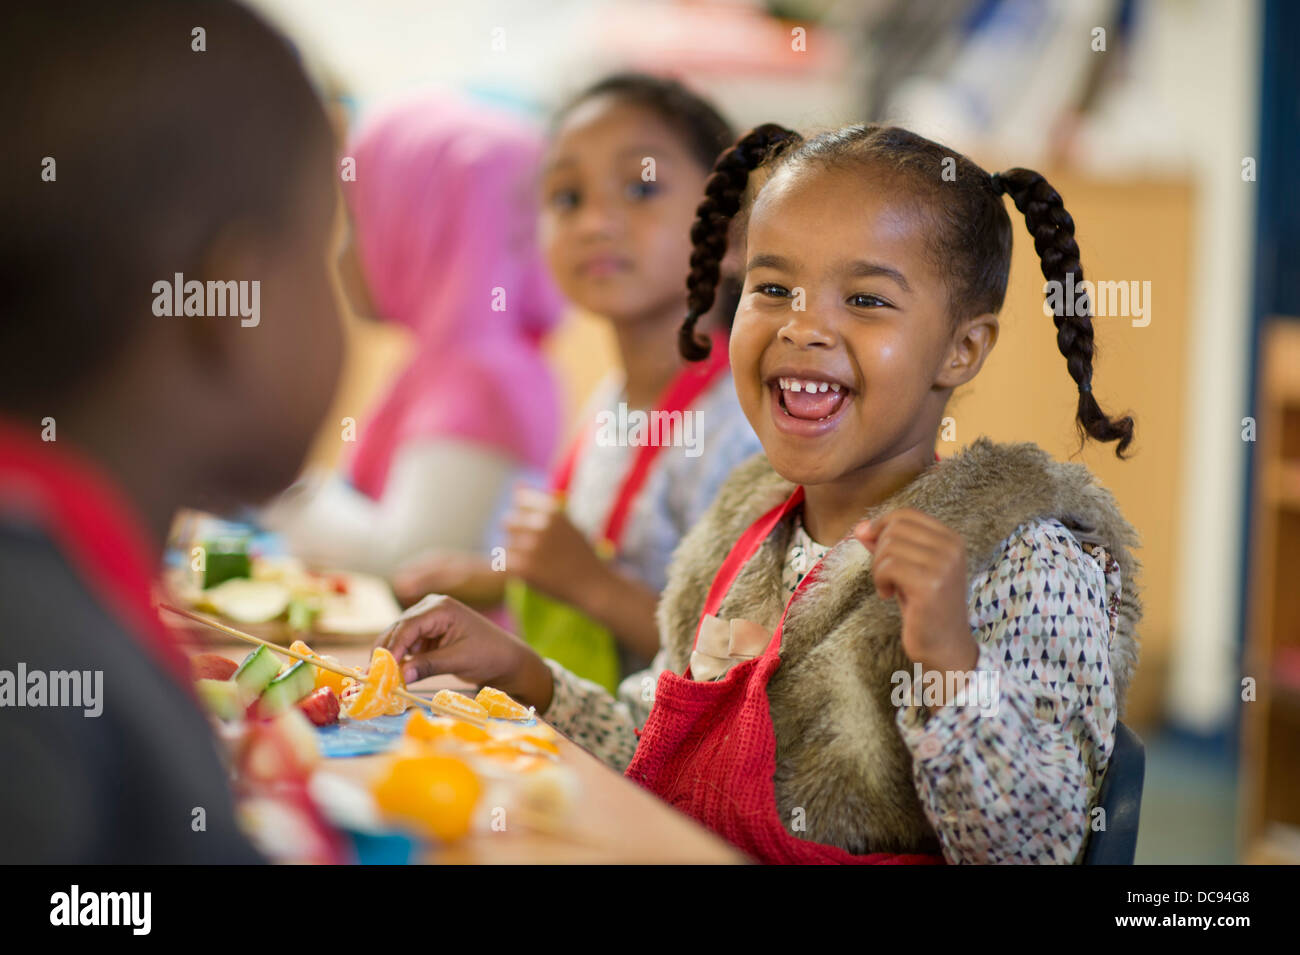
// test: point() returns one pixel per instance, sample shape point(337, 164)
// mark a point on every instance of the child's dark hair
point(971, 234)
point(703, 130)
point(157, 147)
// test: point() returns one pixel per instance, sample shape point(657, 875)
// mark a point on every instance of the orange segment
point(460, 703)
point(542, 743)
point(437, 794)
point(375, 696)
point(440, 729)
point(335, 681)
point(518, 746)
point(538, 729)
point(516, 762)
point(500, 705)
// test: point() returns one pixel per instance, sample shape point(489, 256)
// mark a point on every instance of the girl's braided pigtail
point(723, 195)
point(1053, 231)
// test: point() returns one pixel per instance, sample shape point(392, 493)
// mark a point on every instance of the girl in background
point(443, 244)
point(620, 181)
point(844, 563)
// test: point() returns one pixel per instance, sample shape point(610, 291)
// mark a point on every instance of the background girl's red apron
point(555, 629)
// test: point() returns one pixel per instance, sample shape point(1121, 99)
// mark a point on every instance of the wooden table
point(614, 821)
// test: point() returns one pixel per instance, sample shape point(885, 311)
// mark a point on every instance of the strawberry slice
point(212, 666)
point(320, 706)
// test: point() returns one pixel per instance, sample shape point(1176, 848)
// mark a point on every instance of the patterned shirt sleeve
point(1008, 772)
point(604, 725)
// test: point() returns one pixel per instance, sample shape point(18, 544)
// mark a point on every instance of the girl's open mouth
point(807, 406)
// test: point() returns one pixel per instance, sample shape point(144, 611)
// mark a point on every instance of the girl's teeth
point(812, 387)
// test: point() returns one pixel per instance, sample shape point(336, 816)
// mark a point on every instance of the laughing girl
point(846, 557)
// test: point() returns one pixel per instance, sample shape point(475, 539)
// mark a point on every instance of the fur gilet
point(839, 754)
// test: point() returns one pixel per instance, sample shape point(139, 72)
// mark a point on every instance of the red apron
point(687, 385)
point(709, 749)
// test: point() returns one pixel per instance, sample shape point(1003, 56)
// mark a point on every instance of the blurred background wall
point(1145, 128)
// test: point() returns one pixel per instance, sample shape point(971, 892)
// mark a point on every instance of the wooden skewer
point(317, 661)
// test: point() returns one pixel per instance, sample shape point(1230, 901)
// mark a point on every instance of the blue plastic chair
point(1121, 796)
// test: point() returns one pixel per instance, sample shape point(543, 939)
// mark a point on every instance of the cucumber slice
point(258, 669)
point(302, 614)
point(225, 562)
point(288, 688)
point(220, 698)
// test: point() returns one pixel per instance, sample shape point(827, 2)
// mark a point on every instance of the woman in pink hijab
point(443, 219)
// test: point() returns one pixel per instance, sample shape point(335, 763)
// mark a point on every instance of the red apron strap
point(687, 385)
point(691, 382)
point(563, 475)
point(739, 555)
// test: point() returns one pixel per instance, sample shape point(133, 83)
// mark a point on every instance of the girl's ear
point(971, 344)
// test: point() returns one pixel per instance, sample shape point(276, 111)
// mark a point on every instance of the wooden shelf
point(1270, 767)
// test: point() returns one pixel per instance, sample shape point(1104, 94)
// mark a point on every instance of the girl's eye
point(867, 301)
point(642, 190)
point(564, 199)
point(772, 290)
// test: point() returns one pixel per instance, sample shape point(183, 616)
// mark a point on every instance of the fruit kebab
point(372, 692)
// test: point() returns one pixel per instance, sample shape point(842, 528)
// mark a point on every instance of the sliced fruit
point(377, 696)
point(280, 749)
point(320, 706)
point(220, 697)
point(248, 601)
point(335, 681)
point(258, 669)
point(441, 729)
point(535, 730)
point(436, 794)
point(515, 762)
point(287, 689)
point(212, 666)
point(519, 746)
point(501, 705)
point(460, 703)
point(327, 678)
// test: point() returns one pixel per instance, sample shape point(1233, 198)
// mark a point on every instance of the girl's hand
point(467, 577)
point(546, 550)
point(922, 563)
point(441, 635)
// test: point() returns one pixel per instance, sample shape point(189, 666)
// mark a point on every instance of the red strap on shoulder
point(687, 386)
point(741, 552)
point(691, 382)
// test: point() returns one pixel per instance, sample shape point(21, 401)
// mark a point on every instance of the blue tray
point(362, 737)
point(367, 737)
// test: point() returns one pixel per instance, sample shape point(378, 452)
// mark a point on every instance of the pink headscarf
point(444, 214)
